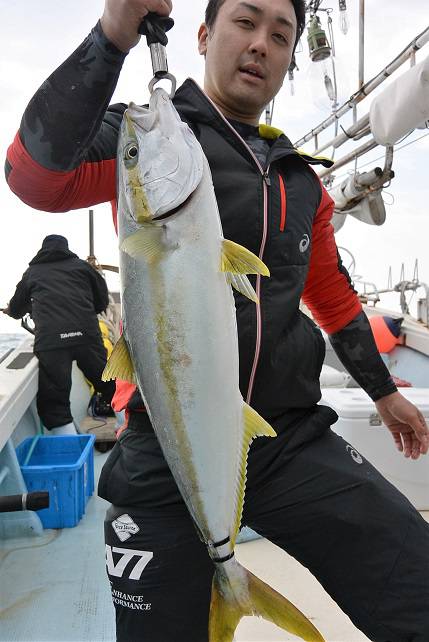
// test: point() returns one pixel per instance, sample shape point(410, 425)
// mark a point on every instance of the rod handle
point(27, 501)
point(155, 28)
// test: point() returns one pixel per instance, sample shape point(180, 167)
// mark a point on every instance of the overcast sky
point(37, 37)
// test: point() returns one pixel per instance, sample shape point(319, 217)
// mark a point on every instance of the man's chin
point(248, 104)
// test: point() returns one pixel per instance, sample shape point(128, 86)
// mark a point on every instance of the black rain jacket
point(63, 295)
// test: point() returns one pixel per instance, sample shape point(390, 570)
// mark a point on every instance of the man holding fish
point(177, 475)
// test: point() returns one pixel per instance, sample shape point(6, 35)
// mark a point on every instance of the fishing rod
point(26, 501)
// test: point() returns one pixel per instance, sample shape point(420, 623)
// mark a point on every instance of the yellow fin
point(120, 365)
point(224, 615)
point(254, 426)
point(145, 244)
point(242, 284)
point(263, 601)
point(237, 261)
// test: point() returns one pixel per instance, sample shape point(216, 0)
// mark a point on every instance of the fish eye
point(131, 153)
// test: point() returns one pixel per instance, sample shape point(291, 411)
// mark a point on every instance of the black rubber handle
point(31, 501)
point(155, 28)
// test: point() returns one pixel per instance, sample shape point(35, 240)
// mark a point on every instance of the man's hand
point(406, 423)
point(5, 310)
point(121, 19)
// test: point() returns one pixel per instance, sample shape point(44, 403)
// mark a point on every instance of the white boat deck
point(54, 588)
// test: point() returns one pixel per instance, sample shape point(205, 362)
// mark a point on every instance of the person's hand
point(406, 423)
point(121, 19)
point(5, 310)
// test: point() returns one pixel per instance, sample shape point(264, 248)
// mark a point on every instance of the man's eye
point(281, 38)
point(245, 23)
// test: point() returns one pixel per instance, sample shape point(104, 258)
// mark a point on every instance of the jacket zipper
point(266, 185)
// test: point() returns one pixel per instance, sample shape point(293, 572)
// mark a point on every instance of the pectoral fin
point(147, 244)
point(242, 284)
point(254, 426)
point(119, 365)
point(236, 262)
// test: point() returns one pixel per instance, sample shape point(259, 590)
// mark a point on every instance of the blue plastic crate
point(63, 466)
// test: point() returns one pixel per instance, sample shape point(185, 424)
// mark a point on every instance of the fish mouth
point(175, 210)
point(145, 216)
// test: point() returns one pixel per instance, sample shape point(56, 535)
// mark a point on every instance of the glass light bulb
point(291, 83)
point(329, 86)
point(327, 82)
point(344, 21)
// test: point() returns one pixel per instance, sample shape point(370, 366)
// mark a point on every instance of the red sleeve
point(54, 191)
point(328, 290)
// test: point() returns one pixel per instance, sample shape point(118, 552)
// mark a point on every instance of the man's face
point(248, 52)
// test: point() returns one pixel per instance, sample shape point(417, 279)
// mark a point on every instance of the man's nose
point(259, 45)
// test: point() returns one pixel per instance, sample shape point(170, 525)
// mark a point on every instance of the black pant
point(319, 500)
point(55, 370)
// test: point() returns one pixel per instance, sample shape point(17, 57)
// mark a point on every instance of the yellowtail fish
point(180, 345)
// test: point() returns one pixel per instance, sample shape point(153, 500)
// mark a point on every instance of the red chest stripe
point(282, 204)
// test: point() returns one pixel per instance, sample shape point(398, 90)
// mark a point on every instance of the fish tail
point(230, 602)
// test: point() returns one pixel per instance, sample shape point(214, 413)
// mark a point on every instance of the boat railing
point(390, 118)
point(370, 294)
point(360, 127)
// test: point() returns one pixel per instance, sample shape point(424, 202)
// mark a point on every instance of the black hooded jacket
point(63, 294)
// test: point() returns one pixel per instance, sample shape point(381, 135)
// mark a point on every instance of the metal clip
point(155, 80)
point(154, 27)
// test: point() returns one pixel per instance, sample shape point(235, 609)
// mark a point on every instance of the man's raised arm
point(63, 156)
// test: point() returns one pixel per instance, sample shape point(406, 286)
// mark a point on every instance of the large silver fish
point(180, 345)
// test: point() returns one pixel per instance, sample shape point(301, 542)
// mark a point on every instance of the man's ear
point(203, 35)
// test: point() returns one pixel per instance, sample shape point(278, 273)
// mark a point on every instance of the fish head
point(159, 161)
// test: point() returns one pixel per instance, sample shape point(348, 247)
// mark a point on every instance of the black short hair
point(213, 7)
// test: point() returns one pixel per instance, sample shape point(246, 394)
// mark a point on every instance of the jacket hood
point(54, 248)
point(195, 106)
